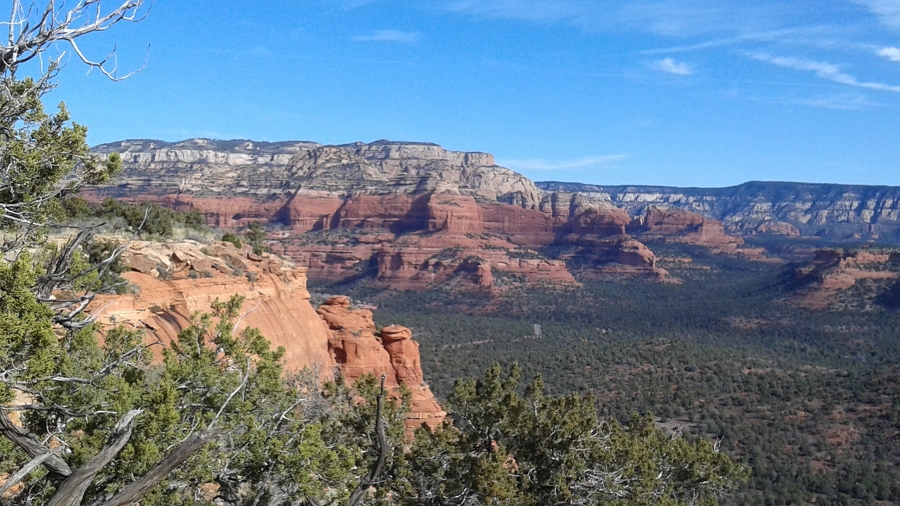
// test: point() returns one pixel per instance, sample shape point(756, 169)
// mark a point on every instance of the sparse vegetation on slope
point(807, 399)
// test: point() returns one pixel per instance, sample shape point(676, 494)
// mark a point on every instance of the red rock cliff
point(176, 280)
point(359, 349)
point(684, 226)
point(409, 214)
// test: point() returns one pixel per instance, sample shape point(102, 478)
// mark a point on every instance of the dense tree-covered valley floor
point(810, 400)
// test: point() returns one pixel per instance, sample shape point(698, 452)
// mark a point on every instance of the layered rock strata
point(408, 214)
point(175, 280)
point(833, 211)
point(683, 226)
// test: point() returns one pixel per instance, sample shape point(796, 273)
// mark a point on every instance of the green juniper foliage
point(255, 236)
point(269, 447)
point(505, 448)
point(147, 219)
point(233, 239)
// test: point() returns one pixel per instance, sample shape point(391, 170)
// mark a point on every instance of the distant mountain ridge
point(206, 167)
point(410, 214)
point(832, 211)
point(413, 214)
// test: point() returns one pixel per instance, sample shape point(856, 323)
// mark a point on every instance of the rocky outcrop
point(847, 212)
point(360, 349)
point(175, 280)
point(419, 260)
point(683, 226)
point(259, 170)
point(411, 214)
point(413, 243)
point(839, 279)
point(777, 228)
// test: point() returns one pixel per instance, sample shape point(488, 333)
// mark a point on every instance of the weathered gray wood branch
point(32, 447)
point(71, 491)
point(135, 490)
point(371, 478)
point(20, 475)
point(378, 466)
point(31, 31)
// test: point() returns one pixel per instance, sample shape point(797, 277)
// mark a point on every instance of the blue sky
point(669, 92)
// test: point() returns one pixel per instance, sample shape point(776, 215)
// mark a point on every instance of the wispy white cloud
point(389, 36)
point(580, 163)
point(891, 53)
point(526, 10)
point(820, 37)
point(842, 102)
point(678, 18)
point(823, 70)
point(888, 11)
point(663, 17)
point(671, 66)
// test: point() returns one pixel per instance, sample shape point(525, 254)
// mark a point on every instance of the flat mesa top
point(242, 145)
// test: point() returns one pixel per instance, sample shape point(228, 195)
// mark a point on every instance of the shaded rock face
point(359, 349)
point(175, 280)
point(683, 226)
point(839, 279)
point(410, 215)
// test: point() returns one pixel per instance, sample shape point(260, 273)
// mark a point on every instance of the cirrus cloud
point(887, 11)
point(823, 70)
point(579, 163)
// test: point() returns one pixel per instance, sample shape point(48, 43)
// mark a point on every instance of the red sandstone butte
point(832, 272)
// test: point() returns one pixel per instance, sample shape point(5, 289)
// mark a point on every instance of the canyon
point(735, 340)
point(408, 215)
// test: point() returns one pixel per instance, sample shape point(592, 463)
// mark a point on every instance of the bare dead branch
point(135, 490)
point(31, 34)
point(241, 318)
point(228, 400)
point(20, 475)
point(30, 444)
point(378, 466)
point(71, 491)
point(62, 410)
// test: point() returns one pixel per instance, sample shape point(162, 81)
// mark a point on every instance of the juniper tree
point(91, 421)
point(504, 448)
